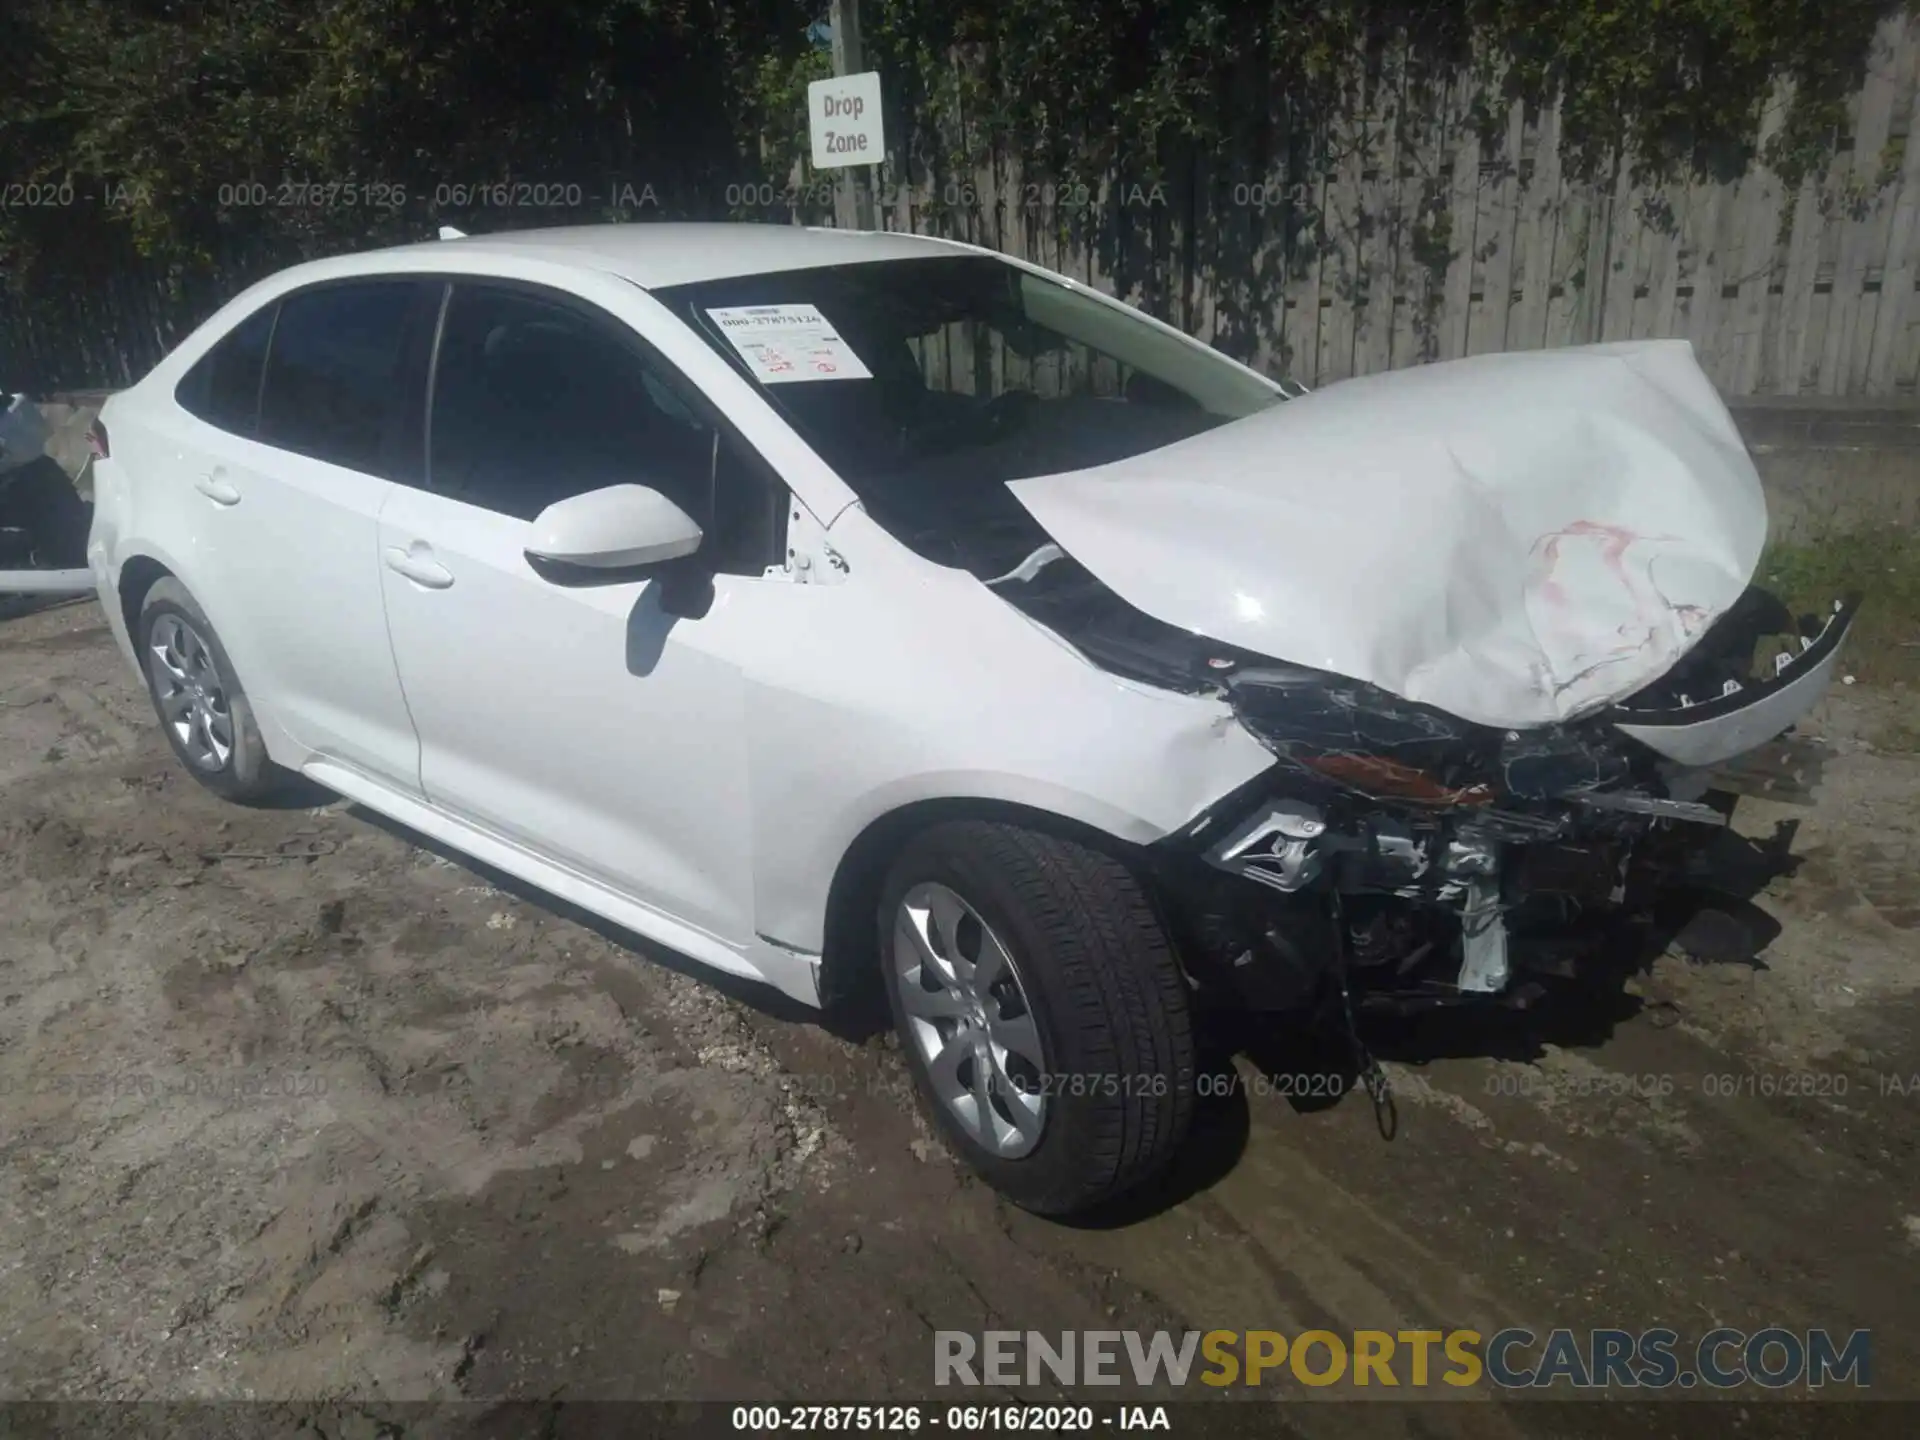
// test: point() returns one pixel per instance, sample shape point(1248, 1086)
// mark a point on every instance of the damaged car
point(869, 612)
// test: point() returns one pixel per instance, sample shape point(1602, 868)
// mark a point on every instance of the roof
point(654, 254)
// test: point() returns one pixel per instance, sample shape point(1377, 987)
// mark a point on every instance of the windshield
point(928, 383)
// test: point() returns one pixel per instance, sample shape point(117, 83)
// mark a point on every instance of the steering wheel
point(982, 425)
point(1009, 410)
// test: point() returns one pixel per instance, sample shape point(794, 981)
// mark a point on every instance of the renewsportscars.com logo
point(1774, 1358)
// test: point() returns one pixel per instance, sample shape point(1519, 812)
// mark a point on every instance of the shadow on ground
point(1315, 1060)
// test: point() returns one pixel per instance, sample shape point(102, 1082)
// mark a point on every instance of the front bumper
point(1530, 837)
point(1741, 718)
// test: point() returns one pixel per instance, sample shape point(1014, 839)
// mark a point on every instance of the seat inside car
point(546, 410)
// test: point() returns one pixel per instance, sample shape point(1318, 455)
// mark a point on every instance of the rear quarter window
point(223, 389)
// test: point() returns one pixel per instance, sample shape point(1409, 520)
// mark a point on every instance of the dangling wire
point(1386, 1114)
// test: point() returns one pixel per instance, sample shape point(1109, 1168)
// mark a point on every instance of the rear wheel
point(1040, 1009)
point(203, 712)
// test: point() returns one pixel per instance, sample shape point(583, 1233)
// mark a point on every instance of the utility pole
point(853, 200)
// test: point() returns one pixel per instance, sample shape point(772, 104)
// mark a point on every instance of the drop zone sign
point(843, 118)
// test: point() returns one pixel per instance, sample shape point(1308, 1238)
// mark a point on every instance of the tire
point(227, 754)
point(1107, 1101)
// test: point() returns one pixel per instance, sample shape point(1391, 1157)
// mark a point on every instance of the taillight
point(97, 441)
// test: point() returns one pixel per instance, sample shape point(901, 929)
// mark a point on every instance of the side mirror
point(620, 527)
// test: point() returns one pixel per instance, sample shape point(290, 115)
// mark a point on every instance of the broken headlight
point(1360, 739)
point(1365, 741)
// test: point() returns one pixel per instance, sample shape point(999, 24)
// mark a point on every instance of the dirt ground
point(294, 1108)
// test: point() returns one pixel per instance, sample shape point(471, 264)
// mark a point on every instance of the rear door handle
point(220, 491)
point(420, 568)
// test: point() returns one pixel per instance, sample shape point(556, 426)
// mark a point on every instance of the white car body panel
point(305, 617)
point(700, 781)
point(1716, 740)
point(716, 770)
point(116, 539)
point(697, 782)
point(1517, 539)
point(580, 720)
point(870, 705)
point(558, 880)
point(303, 620)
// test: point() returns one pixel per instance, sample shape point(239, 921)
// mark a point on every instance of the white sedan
point(843, 609)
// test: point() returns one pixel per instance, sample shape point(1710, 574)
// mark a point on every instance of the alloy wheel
point(968, 1017)
point(190, 692)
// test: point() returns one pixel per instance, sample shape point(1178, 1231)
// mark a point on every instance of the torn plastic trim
point(1744, 716)
point(1627, 802)
point(1044, 556)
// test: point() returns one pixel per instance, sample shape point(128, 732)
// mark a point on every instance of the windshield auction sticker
point(786, 343)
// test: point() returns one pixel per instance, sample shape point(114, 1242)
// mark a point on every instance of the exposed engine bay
point(1428, 858)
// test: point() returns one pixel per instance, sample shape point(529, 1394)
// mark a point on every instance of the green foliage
point(1883, 564)
point(190, 128)
point(180, 124)
point(776, 107)
point(1668, 87)
point(1681, 86)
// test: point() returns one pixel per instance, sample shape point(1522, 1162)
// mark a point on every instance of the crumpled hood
point(1517, 539)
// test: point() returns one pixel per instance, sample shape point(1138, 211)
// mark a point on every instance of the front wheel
point(1041, 1010)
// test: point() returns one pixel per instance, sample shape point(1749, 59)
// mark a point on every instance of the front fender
point(804, 828)
point(906, 682)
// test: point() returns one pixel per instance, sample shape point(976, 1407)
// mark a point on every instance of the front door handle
point(220, 491)
point(419, 568)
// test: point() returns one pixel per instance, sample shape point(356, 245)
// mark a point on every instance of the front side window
point(223, 388)
point(536, 401)
point(337, 384)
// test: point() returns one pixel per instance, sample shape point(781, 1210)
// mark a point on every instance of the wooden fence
point(1415, 242)
point(1421, 243)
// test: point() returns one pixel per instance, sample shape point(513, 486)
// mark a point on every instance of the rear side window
point(224, 388)
point(337, 374)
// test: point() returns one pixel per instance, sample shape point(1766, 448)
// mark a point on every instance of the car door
point(290, 485)
point(581, 722)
